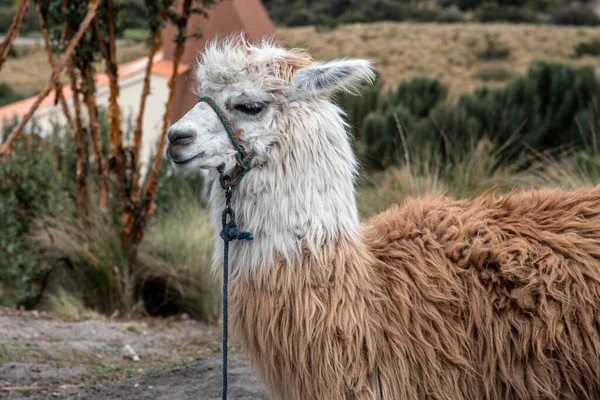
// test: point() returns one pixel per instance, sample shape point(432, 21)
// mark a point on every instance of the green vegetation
point(103, 365)
point(8, 94)
point(333, 12)
point(75, 265)
point(574, 14)
point(587, 48)
point(136, 35)
point(130, 14)
point(31, 22)
point(554, 108)
point(497, 12)
point(31, 185)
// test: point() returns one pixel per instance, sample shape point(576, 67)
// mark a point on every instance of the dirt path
point(43, 358)
point(201, 380)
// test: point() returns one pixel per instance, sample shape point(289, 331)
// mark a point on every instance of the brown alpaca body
point(442, 299)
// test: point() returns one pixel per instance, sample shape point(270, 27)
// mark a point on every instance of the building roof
point(160, 66)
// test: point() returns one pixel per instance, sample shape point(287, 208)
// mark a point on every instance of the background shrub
point(552, 108)
point(8, 94)
point(332, 12)
point(494, 12)
point(46, 251)
point(574, 15)
point(30, 186)
point(587, 48)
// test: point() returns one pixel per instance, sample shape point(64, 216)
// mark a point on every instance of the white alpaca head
point(299, 191)
point(253, 86)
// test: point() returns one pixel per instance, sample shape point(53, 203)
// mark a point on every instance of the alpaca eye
point(250, 108)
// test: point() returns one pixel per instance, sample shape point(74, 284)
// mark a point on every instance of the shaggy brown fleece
point(474, 299)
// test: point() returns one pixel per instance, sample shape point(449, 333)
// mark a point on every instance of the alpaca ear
point(327, 78)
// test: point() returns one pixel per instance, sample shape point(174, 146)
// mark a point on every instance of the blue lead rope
point(229, 233)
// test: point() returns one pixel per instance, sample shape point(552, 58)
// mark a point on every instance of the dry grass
point(177, 248)
point(68, 306)
point(29, 71)
point(446, 51)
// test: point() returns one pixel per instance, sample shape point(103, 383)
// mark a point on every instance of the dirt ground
point(46, 358)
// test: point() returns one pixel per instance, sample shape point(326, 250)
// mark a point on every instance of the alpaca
point(488, 298)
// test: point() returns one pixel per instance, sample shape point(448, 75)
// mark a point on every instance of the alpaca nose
point(179, 137)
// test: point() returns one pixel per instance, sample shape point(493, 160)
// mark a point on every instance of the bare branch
point(6, 146)
point(137, 134)
point(13, 31)
point(81, 196)
point(147, 206)
point(58, 87)
point(101, 170)
point(119, 166)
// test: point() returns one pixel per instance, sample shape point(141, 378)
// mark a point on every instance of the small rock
point(128, 352)
point(137, 385)
point(185, 316)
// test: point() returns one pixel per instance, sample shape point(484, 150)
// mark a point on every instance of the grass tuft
point(67, 306)
point(172, 274)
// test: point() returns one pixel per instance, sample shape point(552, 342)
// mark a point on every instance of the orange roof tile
point(165, 68)
point(160, 67)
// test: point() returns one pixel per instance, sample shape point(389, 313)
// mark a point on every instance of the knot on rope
point(230, 231)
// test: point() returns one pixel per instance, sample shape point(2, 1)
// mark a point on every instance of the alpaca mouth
point(184, 162)
point(177, 159)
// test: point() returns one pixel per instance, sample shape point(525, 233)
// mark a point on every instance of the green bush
point(541, 107)
point(419, 95)
point(574, 15)
point(30, 21)
point(30, 186)
point(493, 12)
point(329, 13)
point(587, 48)
point(45, 248)
point(357, 107)
point(552, 107)
point(8, 94)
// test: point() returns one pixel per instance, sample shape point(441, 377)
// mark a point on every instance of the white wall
point(129, 101)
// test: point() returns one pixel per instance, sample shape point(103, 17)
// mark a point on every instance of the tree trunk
point(147, 205)
point(13, 31)
point(137, 134)
point(101, 173)
point(81, 195)
point(119, 157)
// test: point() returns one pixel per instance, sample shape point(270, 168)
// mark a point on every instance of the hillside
point(464, 56)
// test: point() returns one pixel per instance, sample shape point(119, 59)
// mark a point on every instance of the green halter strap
point(242, 157)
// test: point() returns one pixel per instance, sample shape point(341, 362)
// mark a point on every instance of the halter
point(230, 231)
point(242, 157)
